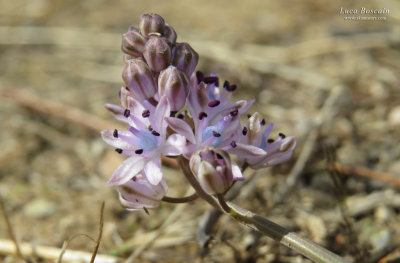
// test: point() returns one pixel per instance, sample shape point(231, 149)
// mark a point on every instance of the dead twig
point(96, 248)
point(366, 173)
point(10, 230)
point(51, 253)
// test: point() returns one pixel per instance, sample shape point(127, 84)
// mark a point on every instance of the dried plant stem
point(289, 239)
point(177, 200)
point(96, 248)
point(10, 229)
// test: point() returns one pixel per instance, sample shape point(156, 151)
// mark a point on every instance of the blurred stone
point(394, 169)
point(394, 116)
point(342, 128)
point(40, 208)
point(349, 154)
point(381, 239)
point(382, 214)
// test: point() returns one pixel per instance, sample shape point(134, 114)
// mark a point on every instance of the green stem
point(177, 200)
point(289, 239)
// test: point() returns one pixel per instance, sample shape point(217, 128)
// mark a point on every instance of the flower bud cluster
point(160, 79)
point(155, 63)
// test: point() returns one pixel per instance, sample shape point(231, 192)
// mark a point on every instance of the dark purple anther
point(234, 113)
point(233, 144)
point(248, 116)
point(118, 150)
point(155, 133)
point(127, 113)
point(202, 115)
point(216, 134)
point(211, 80)
point(214, 103)
point(219, 156)
point(270, 140)
point(173, 113)
point(262, 123)
point(139, 151)
point(115, 133)
point(283, 136)
point(199, 76)
point(145, 113)
point(226, 84)
point(244, 131)
point(231, 88)
point(180, 116)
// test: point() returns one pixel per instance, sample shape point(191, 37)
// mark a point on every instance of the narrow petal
point(157, 120)
point(181, 127)
point(123, 143)
point(153, 171)
point(244, 151)
point(175, 145)
point(127, 170)
point(237, 174)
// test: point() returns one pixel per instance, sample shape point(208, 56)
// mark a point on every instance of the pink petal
point(181, 127)
point(244, 151)
point(153, 171)
point(127, 170)
point(108, 137)
point(175, 145)
point(236, 172)
point(162, 110)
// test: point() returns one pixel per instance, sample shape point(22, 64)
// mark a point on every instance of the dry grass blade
point(96, 248)
point(10, 230)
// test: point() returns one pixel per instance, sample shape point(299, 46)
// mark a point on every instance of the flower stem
point(289, 239)
point(177, 200)
point(223, 204)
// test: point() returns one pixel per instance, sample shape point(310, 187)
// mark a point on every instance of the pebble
point(394, 116)
point(40, 208)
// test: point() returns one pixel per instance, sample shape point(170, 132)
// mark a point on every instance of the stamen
point(262, 123)
point(219, 156)
point(155, 133)
point(146, 211)
point(234, 113)
point(244, 131)
point(233, 144)
point(126, 87)
point(248, 116)
point(145, 113)
point(270, 140)
point(283, 136)
point(127, 113)
point(216, 134)
point(115, 133)
point(150, 128)
point(214, 103)
point(231, 88)
point(180, 116)
point(202, 115)
point(226, 84)
point(199, 76)
point(211, 80)
point(172, 113)
point(118, 150)
point(139, 151)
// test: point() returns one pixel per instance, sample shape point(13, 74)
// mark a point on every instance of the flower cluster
point(160, 79)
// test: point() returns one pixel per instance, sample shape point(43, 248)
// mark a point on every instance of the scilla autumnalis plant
point(211, 144)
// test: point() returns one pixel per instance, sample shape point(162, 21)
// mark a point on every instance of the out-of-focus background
point(331, 82)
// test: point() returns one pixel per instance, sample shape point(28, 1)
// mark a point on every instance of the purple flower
point(215, 120)
point(145, 141)
point(214, 170)
point(139, 193)
point(255, 148)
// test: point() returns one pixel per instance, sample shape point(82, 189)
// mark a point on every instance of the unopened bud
point(213, 169)
point(185, 58)
point(157, 53)
point(173, 84)
point(151, 23)
point(139, 79)
point(170, 35)
point(133, 43)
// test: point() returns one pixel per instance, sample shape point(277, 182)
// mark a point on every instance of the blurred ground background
point(332, 83)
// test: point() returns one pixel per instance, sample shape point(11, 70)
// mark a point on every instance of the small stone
point(394, 116)
point(40, 208)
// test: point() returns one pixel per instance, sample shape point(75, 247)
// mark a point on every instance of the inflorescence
point(160, 79)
